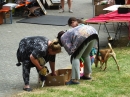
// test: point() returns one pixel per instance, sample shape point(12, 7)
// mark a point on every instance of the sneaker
point(61, 11)
point(72, 82)
point(85, 78)
point(70, 11)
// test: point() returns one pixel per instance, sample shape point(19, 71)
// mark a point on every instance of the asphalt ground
point(11, 80)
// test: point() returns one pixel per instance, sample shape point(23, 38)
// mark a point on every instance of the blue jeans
point(92, 60)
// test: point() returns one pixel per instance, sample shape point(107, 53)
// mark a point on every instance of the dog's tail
point(113, 54)
point(110, 46)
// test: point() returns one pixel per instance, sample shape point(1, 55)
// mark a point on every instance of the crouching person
point(36, 51)
point(78, 42)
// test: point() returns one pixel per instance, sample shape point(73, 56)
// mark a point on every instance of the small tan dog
point(104, 55)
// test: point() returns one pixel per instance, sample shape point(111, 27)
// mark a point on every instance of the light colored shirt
point(74, 37)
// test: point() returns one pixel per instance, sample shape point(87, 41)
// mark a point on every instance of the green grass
point(109, 83)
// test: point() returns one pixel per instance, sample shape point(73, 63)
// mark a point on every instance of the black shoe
point(18, 64)
point(85, 78)
point(27, 89)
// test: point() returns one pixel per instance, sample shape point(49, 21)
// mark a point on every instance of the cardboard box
point(99, 9)
point(63, 75)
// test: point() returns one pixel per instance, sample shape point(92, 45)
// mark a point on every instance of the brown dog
point(104, 55)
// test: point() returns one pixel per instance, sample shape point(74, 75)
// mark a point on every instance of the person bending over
point(73, 22)
point(36, 51)
point(78, 42)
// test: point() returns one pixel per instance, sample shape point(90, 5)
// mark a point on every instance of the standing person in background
point(69, 6)
point(35, 52)
point(78, 42)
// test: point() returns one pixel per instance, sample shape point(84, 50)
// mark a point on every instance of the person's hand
point(43, 71)
point(53, 74)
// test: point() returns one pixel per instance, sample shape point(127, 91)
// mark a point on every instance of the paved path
point(11, 76)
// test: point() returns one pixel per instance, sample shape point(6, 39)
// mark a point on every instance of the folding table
point(9, 7)
point(112, 17)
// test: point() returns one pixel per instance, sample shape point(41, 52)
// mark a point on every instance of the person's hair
point(71, 19)
point(59, 36)
point(55, 46)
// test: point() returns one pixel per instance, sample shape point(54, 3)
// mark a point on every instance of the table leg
point(107, 30)
point(99, 28)
point(11, 16)
point(4, 17)
point(120, 24)
point(118, 29)
point(129, 34)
